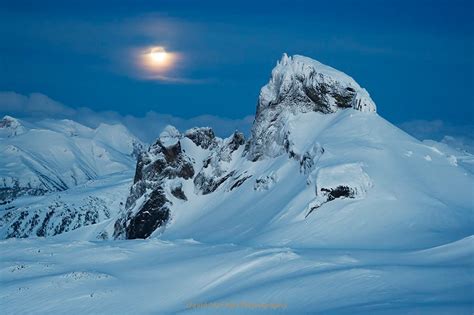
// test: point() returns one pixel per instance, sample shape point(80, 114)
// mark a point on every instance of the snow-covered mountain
point(58, 175)
point(54, 155)
point(326, 208)
point(321, 168)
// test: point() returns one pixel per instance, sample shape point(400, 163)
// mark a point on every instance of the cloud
point(456, 136)
point(436, 129)
point(151, 125)
point(38, 106)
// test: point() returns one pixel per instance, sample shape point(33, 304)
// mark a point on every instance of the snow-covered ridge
point(55, 155)
point(59, 175)
point(10, 127)
point(306, 80)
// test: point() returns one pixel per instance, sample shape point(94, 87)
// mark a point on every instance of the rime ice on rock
point(299, 85)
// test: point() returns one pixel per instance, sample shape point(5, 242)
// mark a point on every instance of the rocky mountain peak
point(10, 126)
point(304, 84)
point(8, 121)
point(179, 167)
point(298, 85)
point(169, 136)
point(203, 137)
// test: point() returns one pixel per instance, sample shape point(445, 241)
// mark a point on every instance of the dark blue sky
point(414, 57)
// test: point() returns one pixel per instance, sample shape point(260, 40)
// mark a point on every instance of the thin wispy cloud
point(37, 106)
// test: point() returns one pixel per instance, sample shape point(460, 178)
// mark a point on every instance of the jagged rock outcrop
point(164, 160)
point(162, 170)
point(10, 127)
point(217, 167)
point(203, 137)
point(298, 85)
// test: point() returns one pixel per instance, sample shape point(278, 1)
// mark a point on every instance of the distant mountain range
point(52, 174)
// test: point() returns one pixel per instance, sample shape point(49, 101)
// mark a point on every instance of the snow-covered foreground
point(41, 276)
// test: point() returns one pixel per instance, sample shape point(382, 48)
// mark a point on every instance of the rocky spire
point(299, 85)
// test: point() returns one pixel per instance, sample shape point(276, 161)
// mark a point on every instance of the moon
point(156, 61)
point(159, 55)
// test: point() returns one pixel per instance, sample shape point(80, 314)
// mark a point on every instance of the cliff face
point(148, 205)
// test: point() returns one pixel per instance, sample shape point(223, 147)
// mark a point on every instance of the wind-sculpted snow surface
point(188, 277)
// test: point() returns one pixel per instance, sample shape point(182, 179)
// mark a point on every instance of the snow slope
point(58, 175)
point(55, 155)
point(186, 277)
point(407, 194)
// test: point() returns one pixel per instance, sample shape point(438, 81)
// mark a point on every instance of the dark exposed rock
point(339, 192)
point(42, 231)
point(208, 184)
point(203, 137)
point(179, 193)
point(265, 182)
point(9, 193)
point(214, 172)
point(56, 218)
point(310, 158)
point(236, 141)
point(330, 194)
point(163, 161)
point(152, 215)
point(311, 210)
point(11, 126)
point(239, 182)
point(15, 229)
point(298, 85)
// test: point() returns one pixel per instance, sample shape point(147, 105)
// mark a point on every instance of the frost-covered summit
point(300, 85)
point(10, 127)
point(305, 84)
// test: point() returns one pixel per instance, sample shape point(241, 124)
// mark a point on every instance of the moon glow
point(156, 61)
point(158, 55)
